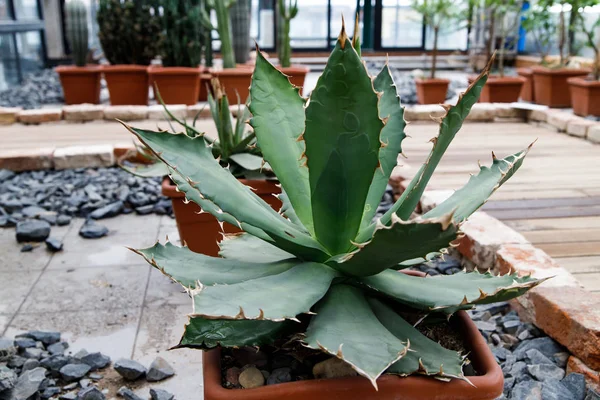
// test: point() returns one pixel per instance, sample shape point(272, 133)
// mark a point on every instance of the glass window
point(29, 46)
point(401, 26)
point(9, 75)
point(5, 10)
point(262, 25)
point(26, 9)
point(347, 8)
point(309, 28)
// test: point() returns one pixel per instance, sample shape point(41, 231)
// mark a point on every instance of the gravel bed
point(35, 201)
point(38, 365)
point(36, 90)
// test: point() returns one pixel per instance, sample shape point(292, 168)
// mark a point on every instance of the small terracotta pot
point(527, 93)
point(204, 86)
point(235, 82)
point(487, 386)
point(502, 89)
point(202, 232)
point(432, 91)
point(177, 85)
point(296, 73)
point(80, 84)
point(127, 84)
point(585, 95)
point(551, 87)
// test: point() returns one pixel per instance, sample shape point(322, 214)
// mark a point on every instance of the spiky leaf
point(449, 293)
point(342, 327)
point(247, 161)
point(278, 121)
point(157, 169)
point(245, 247)
point(274, 297)
point(342, 146)
point(425, 356)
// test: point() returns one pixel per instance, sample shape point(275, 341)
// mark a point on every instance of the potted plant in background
point(540, 22)
point(81, 82)
point(130, 34)
point(501, 88)
point(320, 283)
point(585, 93)
point(436, 14)
point(178, 79)
point(240, 14)
point(286, 11)
point(235, 79)
point(550, 81)
point(236, 150)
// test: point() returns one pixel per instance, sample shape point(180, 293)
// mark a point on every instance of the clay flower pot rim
point(539, 69)
point(237, 71)
point(525, 71)
point(294, 68)
point(431, 81)
point(73, 69)
point(260, 186)
point(584, 82)
point(505, 80)
point(160, 70)
point(124, 68)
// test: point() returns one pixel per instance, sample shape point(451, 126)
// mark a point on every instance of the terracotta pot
point(502, 89)
point(202, 232)
point(489, 385)
point(551, 87)
point(177, 85)
point(585, 95)
point(204, 86)
point(432, 91)
point(235, 82)
point(527, 93)
point(80, 84)
point(296, 73)
point(127, 84)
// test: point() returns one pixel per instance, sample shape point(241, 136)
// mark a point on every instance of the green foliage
point(77, 30)
point(542, 24)
point(507, 14)
point(589, 31)
point(221, 8)
point(130, 30)
point(240, 16)
point(321, 258)
point(287, 11)
point(183, 33)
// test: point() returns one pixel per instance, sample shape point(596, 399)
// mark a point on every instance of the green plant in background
point(541, 23)
point(240, 15)
point(207, 32)
point(223, 27)
point(507, 13)
point(235, 148)
point(129, 31)
point(439, 14)
point(77, 31)
point(183, 33)
point(287, 11)
point(589, 31)
point(330, 267)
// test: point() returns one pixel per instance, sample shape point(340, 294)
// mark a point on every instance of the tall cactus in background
point(221, 8)
point(240, 15)
point(287, 11)
point(182, 25)
point(207, 32)
point(77, 30)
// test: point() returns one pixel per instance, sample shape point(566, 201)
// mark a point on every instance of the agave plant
point(235, 147)
point(321, 267)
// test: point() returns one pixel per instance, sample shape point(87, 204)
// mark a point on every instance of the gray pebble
point(160, 394)
point(128, 394)
point(74, 372)
point(159, 370)
point(129, 369)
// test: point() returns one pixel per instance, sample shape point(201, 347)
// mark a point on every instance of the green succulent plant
point(77, 31)
point(322, 268)
point(287, 10)
point(235, 148)
point(223, 27)
point(183, 36)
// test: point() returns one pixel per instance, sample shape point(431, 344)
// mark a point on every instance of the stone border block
point(560, 120)
point(202, 108)
point(84, 157)
point(423, 112)
point(126, 113)
point(26, 160)
point(579, 127)
point(83, 112)
point(40, 116)
point(157, 111)
point(593, 133)
point(482, 112)
point(537, 115)
point(9, 115)
point(508, 111)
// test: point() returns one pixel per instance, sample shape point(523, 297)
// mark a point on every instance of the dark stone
point(95, 377)
point(50, 392)
point(144, 210)
point(592, 395)
point(30, 363)
point(90, 393)
point(527, 390)
point(45, 337)
point(546, 345)
point(129, 369)
point(508, 385)
point(500, 353)
point(28, 384)
point(32, 231)
point(55, 363)
point(544, 372)
point(575, 383)
point(74, 372)
point(561, 358)
point(552, 389)
point(15, 362)
point(536, 357)
point(24, 343)
point(96, 360)
point(26, 248)
point(511, 326)
point(8, 378)
point(485, 326)
point(159, 370)
point(92, 230)
point(63, 220)
point(128, 394)
point(280, 375)
point(6, 174)
point(159, 394)
point(68, 396)
point(33, 211)
point(109, 211)
point(32, 352)
point(58, 348)
point(54, 245)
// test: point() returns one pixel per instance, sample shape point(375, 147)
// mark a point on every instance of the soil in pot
point(432, 91)
point(585, 95)
point(502, 89)
point(235, 82)
point(296, 73)
point(127, 84)
point(202, 232)
point(80, 84)
point(527, 92)
point(177, 85)
point(551, 87)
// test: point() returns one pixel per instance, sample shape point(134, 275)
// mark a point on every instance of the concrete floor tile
point(4, 323)
point(110, 332)
point(169, 231)
point(127, 224)
point(84, 289)
point(162, 291)
point(15, 287)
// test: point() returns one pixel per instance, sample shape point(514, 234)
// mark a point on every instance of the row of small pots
point(128, 84)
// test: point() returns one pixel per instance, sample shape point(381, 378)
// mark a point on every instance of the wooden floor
point(553, 200)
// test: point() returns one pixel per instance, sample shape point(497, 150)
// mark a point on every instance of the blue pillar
point(522, 33)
